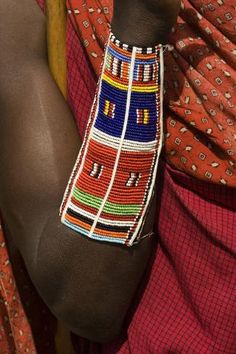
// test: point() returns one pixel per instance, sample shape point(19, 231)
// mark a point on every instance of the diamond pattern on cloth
point(186, 302)
point(200, 90)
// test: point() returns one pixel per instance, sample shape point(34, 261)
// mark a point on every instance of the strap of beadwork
point(112, 183)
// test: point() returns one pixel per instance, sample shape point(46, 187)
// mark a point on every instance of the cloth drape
point(186, 303)
point(200, 97)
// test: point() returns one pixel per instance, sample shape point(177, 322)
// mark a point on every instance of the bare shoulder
point(22, 28)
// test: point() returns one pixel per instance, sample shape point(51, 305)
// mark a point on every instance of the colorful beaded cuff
point(112, 183)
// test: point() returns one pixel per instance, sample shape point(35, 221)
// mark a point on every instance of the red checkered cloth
point(186, 303)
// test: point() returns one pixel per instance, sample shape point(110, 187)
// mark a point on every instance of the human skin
point(144, 22)
point(38, 147)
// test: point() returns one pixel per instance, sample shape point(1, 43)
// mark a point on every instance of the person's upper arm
point(39, 141)
point(23, 32)
point(38, 147)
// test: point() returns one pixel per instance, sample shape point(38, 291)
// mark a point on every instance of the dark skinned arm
point(88, 285)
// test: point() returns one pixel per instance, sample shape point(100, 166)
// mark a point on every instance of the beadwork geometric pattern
point(113, 179)
point(109, 109)
point(96, 170)
point(142, 116)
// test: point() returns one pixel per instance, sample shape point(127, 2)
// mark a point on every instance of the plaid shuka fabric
point(186, 302)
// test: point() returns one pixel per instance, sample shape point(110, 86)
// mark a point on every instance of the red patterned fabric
point(41, 4)
point(92, 21)
point(187, 301)
point(26, 325)
point(200, 82)
point(15, 332)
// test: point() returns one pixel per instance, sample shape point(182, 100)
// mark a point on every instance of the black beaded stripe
point(101, 226)
point(129, 48)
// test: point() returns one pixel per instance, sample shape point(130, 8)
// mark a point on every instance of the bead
point(113, 179)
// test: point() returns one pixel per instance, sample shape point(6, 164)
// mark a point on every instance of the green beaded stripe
point(112, 208)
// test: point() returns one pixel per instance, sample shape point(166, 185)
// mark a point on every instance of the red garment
point(186, 303)
point(199, 79)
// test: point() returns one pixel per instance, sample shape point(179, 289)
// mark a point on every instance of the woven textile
point(186, 303)
point(113, 179)
point(200, 77)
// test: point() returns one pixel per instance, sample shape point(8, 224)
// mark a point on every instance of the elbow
point(84, 313)
point(95, 323)
point(87, 314)
point(87, 302)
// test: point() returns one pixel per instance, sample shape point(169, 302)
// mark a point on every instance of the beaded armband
point(112, 183)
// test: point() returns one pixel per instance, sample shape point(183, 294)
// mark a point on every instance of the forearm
point(43, 136)
point(66, 269)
